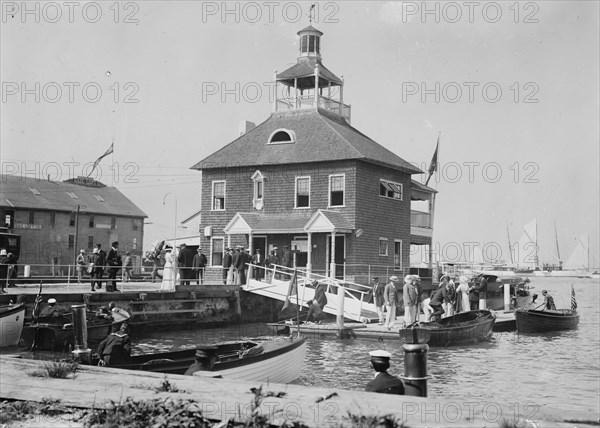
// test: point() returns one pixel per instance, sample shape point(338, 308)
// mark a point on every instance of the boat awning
point(328, 221)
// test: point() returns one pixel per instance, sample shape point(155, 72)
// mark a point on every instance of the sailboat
point(577, 265)
point(526, 250)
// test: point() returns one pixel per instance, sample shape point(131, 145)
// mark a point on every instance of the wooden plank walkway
point(219, 399)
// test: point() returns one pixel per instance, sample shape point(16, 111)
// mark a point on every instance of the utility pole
point(76, 236)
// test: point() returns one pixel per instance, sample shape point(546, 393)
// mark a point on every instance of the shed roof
point(31, 193)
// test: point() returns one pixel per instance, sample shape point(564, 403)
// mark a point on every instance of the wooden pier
point(221, 399)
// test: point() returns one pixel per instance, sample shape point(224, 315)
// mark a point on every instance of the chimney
point(246, 126)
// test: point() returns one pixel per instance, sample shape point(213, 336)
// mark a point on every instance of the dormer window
point(259, 181)
point(282, 136)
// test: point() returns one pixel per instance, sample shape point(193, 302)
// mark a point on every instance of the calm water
point(527, 373)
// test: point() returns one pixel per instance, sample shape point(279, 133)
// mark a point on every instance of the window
point(35, 191)
point(336, 190)
point(311, 43)
point(9, 216)
point(72, 195)
point(113, 222)
point(282, 136)
point(218, 196)
point(90, 242)
point(100, 198)
point(52, 219)
point(387, 189)
point(72, 220)
point(302, 192)
point(31, 217)
point(397, 254)
point(257, 199)
point(216, 251)
point(383, 246)
point(91, 223)
point(136, 224)
point(71, 241)
point(304, 44)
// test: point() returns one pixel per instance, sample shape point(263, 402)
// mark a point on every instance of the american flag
point(573, 301)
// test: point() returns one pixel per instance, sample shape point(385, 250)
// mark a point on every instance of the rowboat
point(56, 333)
point(278, 360)
point(534, 321)
point(461, 329)
point(11, 324)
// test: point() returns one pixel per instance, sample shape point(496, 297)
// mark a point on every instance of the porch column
point(295, 93)
point(309, 255)
point(327, 253)
point(332, 271)
point(251, 252)
point(228, 240)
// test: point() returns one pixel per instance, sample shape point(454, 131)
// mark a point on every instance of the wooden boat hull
point(532, 321)
point(461, 329)
point(280, 361)
point(11, 324)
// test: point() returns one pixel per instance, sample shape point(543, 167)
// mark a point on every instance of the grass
point(13, 411)
point(56, 370)
point(361, 421)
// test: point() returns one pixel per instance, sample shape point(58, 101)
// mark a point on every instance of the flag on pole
point(433, 166)
point(292, 289)
point(573, 301)
point(106, 153)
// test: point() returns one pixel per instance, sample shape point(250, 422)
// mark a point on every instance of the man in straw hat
point(410, 294)
point(383, 382)
point(390, 295)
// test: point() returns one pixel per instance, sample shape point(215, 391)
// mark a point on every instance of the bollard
point(340, 308)
point(415, 369)
point(507, 297)
point(81, 352)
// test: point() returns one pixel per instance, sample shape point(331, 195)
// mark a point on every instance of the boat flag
point(292, 289)
point(106, 153)
point(433, 166)
point(573, 301)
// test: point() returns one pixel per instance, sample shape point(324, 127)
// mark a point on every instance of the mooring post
point(340, 309)
point(81, 351)
point(507, 297)
point(415, 369)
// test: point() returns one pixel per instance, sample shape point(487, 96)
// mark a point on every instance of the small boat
point(11, 324)
point(461, 329)
point(534, 321)
point(278, 360)
point(56, 333)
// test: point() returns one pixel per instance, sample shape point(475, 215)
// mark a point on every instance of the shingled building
point(305, 178)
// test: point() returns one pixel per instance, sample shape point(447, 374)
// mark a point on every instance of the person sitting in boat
point(106, 311)
point(436, 302)
point(51, 310)
point(548, 301)
point(315, 313)
point(383, 383)
point(204, 361)
point(116, 348)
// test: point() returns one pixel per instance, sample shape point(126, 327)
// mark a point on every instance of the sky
point(511, 90)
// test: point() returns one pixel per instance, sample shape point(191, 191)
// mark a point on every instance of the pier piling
point(81, 352)
point(415, 367)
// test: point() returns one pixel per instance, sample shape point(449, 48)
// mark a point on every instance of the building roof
point(420, 192)
point(310, 29)
point(266, 223)
point(320, 137)
point(304, 71)
point(22, 192)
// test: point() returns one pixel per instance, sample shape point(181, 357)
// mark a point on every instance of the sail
point(579, 256)
point(476, 256)
point(526, 251)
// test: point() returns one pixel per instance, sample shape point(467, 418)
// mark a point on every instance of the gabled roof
point(328, 221)
point(266, 223)
point(420, 192)
point(320, 137)
point(22, 192)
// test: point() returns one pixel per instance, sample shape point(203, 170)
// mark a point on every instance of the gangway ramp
point(277, 285)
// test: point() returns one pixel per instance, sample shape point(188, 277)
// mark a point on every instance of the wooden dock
point(220, 399)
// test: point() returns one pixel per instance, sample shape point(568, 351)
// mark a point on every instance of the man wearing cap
point(101, 264)
point(272, 261)
point(410, 295)
point(259, 261)
point(198, 266)
point(50, 310)
point(3, 270)
point(548, 301)
point(378, 289)
point(94, 269)
point(383, 383)
point(228, 266)
point(390, 296)
point(185, 259)
point(114, 261)
point(80, 265)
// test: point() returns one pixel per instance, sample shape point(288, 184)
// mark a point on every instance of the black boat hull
point(532, 321)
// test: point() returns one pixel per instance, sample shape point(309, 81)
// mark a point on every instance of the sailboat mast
point(537, 260)
point(509, 245)
point(556, 239)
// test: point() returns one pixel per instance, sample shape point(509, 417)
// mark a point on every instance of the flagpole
point(297, 303)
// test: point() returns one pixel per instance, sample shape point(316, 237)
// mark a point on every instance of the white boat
point(577, 265)
point(11, 324)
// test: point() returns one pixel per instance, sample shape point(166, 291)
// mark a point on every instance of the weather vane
point(310, 13)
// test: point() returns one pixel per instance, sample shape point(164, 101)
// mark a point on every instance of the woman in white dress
point(168, 282)
point(462, 295)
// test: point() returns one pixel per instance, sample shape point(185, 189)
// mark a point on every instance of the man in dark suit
point(113, 260)
point(186, 263)
point(227, 263)
point(237, 262)
point(258, 260)
point(199, 264)
point(383, 383)
point(101, 264)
